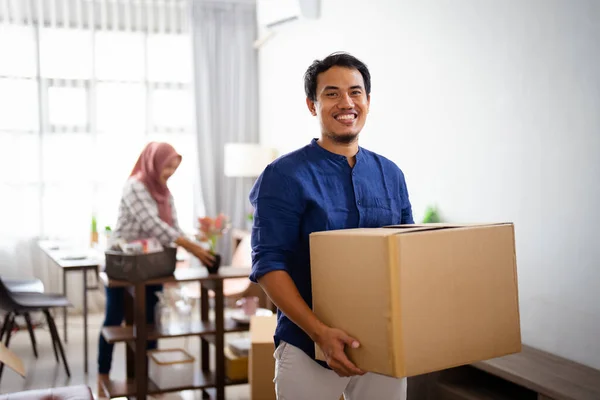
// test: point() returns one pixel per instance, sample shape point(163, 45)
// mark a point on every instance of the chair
point(19, 303)
point(79, 392)
point(25, 285)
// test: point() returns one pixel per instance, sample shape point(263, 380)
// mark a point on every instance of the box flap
point(443, 225)
point(11, 360)
point(262, 329)
point(357, 231)
point(410, 228)
point(390, 230)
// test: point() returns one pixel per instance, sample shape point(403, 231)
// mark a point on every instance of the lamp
point(246, 160)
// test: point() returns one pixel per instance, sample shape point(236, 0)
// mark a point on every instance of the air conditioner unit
point(274, 14)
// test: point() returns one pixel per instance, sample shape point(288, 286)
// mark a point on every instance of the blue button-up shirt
point(311, 190)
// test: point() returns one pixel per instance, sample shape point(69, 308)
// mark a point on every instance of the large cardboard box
point(419, 298)
point(261, 362)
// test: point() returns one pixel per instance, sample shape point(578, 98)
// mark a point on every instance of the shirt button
point(358, 202)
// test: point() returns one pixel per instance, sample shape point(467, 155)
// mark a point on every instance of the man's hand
point(283, 292)
point(332, 341)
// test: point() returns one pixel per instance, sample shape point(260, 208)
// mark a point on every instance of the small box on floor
point(419, 298)
point(13, 361)
point(262, 364)
point(236, 365)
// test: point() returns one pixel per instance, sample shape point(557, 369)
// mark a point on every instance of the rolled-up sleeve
point(278, 206)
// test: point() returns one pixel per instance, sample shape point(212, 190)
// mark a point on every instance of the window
point(84, 84)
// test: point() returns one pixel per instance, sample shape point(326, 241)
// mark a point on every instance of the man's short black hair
point(336, 59)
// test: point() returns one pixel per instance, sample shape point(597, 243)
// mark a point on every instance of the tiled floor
point(45, 372)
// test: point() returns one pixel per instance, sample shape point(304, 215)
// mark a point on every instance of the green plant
point(431, 215)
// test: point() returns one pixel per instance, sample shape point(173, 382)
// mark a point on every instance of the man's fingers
point(350, 341)
point(339, 369)
point(348, 366)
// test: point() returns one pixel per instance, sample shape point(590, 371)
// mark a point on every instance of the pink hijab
point(148, 168)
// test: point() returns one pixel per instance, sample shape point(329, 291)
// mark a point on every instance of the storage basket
point(169, 368)
point(140, 267)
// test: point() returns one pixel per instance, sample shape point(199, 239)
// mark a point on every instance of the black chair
point(15, 303)
point(16, 285)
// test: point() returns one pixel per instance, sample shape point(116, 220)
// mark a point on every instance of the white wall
point(492, 109)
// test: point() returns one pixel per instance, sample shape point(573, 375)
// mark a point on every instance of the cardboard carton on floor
point(419, 298)
point(261, 362)
point(10, 359)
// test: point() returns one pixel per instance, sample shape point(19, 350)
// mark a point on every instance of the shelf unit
point(116, 334)
point(202, 380)
point(136, 333)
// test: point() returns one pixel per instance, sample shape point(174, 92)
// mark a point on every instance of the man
point(332, 183)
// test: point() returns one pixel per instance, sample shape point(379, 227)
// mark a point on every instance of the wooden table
point(136, 333)
point(59, 257)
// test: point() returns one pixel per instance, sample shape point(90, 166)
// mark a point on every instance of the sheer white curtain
point(84, 84)
point(226, 90)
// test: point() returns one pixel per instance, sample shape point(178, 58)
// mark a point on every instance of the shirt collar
point(333, 156)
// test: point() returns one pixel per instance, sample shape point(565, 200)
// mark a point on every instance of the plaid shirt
point(138, 216)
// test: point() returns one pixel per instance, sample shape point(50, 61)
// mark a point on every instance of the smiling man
point(332, 183)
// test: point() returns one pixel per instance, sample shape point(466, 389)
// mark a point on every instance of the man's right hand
point(332, 341)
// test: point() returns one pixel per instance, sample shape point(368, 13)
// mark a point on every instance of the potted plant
point(432, 215)
point(211, 230)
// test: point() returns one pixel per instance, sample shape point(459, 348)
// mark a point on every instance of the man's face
point(342, 103)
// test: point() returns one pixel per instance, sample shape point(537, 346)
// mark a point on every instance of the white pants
point(298, 377)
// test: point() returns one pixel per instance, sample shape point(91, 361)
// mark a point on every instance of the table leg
point(129, 353)
point(220, 337)
point(140, 331)
point(85, 323)
point(204, 348)
point(65, 308)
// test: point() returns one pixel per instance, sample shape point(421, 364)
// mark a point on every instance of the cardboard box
point(261, 362)
point(236, 367)
point(419, 298)
point(11, 360)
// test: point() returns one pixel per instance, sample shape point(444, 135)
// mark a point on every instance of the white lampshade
point(247, 159)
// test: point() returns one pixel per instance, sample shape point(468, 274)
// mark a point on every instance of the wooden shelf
point(115, 334)
point(202, 380)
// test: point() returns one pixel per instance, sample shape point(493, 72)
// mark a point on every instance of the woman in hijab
point(146, 210)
